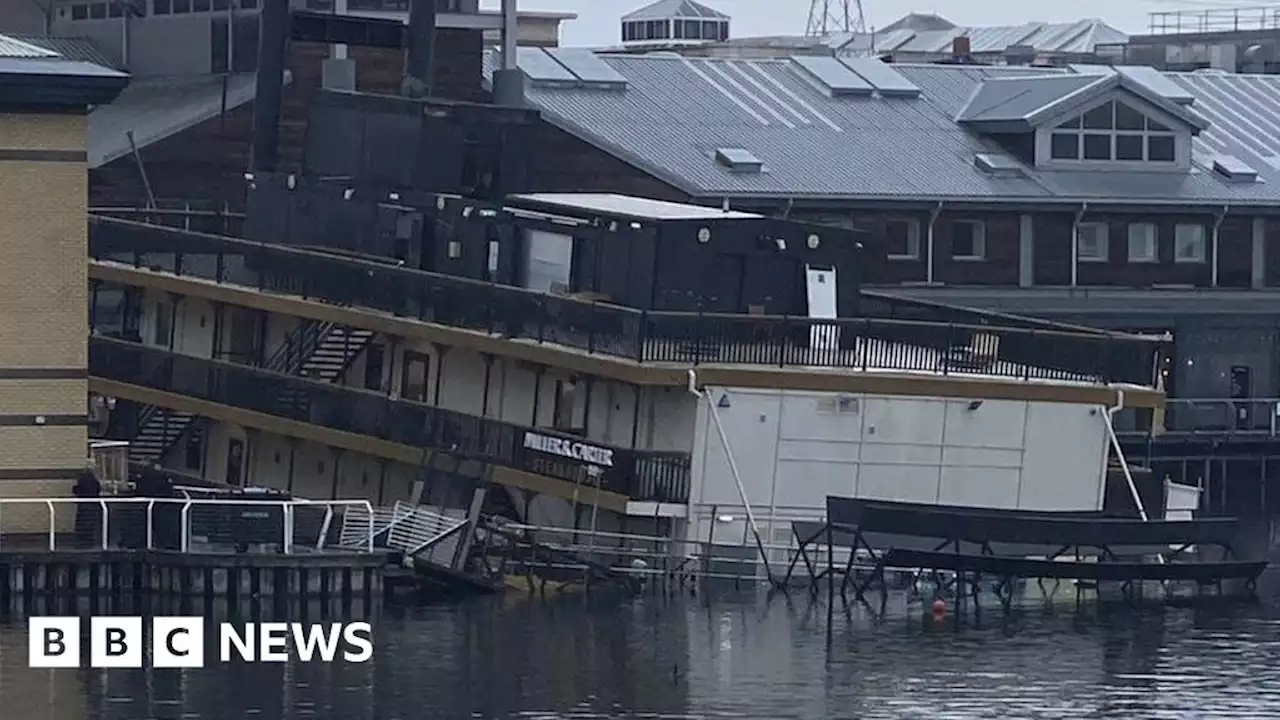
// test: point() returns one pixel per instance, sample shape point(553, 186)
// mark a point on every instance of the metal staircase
point(316, 350)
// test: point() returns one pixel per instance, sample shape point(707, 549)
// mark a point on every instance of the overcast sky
point(597, 22)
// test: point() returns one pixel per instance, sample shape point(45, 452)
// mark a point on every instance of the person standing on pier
point(88, 514)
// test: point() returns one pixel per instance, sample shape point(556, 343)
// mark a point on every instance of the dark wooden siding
point(207, 162)
point(564, 163)
point(999, 262)
point(1051, 248)
point(1235, 252)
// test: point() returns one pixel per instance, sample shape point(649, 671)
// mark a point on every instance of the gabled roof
point(667, 9)
point(814, 144)
point(1018, 104)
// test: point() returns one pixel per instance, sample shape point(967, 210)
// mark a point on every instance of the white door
point(547, 259)
point(820, 284)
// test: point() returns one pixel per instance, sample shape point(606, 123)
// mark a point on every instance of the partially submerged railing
point(188, 525)
point(638, 474)
point(1207, 418)
point(863, 344)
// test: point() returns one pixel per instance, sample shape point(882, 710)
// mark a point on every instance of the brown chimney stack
point(960, 47)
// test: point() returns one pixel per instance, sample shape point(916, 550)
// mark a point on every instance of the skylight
point(1233, 169)
point(738, 159)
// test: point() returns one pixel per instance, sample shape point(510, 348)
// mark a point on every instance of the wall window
point(1113, 131)
point(1189, 243)
point(1142, 243)
point(968, 240)
point(903, 236)
point(1092, 242)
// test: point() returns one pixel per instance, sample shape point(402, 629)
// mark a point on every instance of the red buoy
point(939, 608)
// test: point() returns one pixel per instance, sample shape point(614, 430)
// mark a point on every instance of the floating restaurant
point(412, 320)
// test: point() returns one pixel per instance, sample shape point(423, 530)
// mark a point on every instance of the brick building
point(43, 293)
point(189, 104)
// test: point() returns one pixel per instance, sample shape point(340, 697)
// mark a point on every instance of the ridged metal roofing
point(13, 48)
point(676, 111)
point(71, 48)
point(1076, 38)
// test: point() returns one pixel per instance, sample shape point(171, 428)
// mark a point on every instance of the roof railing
point(1214, 20)
point(963, 343)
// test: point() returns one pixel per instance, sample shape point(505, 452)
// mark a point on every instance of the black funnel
point(273, 37)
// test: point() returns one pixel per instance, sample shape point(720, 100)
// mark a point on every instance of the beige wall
point(666, 418)
point(43, 303)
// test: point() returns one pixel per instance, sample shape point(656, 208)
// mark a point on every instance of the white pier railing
point(189, 525)
point(408, 528)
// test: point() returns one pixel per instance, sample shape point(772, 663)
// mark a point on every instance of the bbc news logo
point(179, 642)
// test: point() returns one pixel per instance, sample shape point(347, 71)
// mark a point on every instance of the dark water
point(737, 656)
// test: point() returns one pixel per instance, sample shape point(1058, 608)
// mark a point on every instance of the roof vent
point(1233, 169)
point(738, 160)
point(998, 165)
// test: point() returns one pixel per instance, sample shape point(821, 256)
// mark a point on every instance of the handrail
point(1037, 325)
point(866, 343)
point(108, 527)
point(1212, 417)
point(639, 474)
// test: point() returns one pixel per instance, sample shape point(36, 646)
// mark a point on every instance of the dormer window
point(1113, 131)
point(1117, 118)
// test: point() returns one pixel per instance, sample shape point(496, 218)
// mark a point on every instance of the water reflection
point(731, 656)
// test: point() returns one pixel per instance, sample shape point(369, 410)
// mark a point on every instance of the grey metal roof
point(1021, 98)
point(668, 9)
point(933, 35)
point(1029, 100)
point(12, 47)
point(56, 66)
point(71, 48)
point(156, 109)
point(676, 111)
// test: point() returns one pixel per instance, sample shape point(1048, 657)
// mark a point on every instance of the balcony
point(641, 475)
point(938, 340)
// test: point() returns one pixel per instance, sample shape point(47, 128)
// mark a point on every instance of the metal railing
point(652, 556)
point(208, 216)
point(188, 525)
point(1211, 417)
point(638, 474)
point(1214, 20)
point(404, 527)
point(864, 343)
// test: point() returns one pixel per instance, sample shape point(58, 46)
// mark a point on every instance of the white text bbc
point(179, 642)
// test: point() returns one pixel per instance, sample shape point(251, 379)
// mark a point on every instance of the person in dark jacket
point(88, 514)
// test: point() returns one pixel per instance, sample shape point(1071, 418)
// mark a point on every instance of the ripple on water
point(731, 657)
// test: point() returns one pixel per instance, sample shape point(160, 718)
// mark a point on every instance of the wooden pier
point(1010, 546)
point(202, 551)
